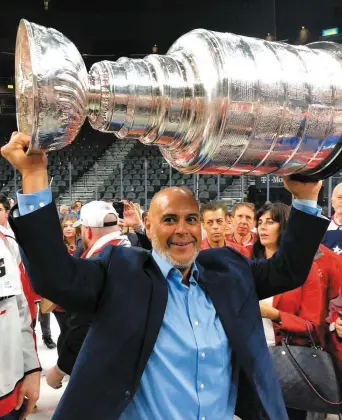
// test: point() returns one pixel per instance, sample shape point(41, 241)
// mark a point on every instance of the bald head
point(173, 225)
point(171, 193)
point(336, 201)
point(337, 190)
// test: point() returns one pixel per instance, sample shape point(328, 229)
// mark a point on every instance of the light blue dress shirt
point(189, 374)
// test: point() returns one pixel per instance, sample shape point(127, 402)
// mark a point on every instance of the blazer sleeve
point(309, 307)
point(290, 265)
point(78, 326)
point(73, 284)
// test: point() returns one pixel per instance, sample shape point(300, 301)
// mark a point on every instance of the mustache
point(191, 239)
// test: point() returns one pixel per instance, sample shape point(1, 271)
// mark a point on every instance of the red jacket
point(245, 249)
point(330, 270)
point(300, 305)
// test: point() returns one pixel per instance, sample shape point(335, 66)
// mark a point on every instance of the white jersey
point(333, 237)
point(9, 265)
point(18, 355)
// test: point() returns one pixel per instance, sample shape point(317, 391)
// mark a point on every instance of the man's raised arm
point(72, 284)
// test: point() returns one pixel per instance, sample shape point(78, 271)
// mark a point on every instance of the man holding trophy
point(177, 334)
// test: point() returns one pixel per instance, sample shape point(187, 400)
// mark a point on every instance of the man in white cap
point(99, 228)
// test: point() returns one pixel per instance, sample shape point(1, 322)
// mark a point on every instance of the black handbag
point(308, 377)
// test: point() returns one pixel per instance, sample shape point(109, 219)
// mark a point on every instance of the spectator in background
point(11, 201)
point(78, 204)
point(4, 210)
point(243, 221)
point(63, 211)
point(214, 216)
point(333, 237)
point(71, 235)
point(214, 222)
point(229, 226)
point(74, 211)
point(291, 312)
point(19, 363)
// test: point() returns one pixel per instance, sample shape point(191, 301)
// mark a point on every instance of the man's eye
point(169, 220)
point(192, 219)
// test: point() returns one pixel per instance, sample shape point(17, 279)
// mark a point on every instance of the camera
point(119, 207)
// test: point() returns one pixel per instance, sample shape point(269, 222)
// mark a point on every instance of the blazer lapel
point(228, 298)
point(158, 303)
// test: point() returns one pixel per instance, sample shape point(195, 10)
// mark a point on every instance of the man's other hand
point(303, 190)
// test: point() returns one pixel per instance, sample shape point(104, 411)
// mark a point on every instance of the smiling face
point(173, 225)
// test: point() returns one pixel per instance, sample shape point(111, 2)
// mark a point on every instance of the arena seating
point(143, 168)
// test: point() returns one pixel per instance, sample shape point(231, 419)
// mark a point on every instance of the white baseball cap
point(94, 213)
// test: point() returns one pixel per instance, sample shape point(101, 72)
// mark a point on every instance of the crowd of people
point(196, 346)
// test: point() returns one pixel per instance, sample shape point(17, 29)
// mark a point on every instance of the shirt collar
point(165, 267)
point(247, 242)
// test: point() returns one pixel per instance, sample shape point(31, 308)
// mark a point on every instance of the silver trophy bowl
point(51, 87)
point(215, 103)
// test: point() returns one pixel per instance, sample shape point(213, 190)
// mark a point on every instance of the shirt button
point(203, 355)
point(127, 395)
point(203, 418)
point(31, 207)
point(196, 323)
point(202, 386)
point(41, 204)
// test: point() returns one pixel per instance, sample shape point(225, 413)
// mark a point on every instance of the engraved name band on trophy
point(215, 103)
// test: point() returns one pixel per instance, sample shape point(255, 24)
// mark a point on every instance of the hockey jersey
point(333, 237)
point(18, 353)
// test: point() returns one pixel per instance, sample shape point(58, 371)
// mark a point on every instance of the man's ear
point(89, 233)
point(148, 227)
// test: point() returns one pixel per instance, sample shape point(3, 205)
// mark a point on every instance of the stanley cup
point(215, 103)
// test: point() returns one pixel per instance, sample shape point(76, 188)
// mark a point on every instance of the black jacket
point(127, 294)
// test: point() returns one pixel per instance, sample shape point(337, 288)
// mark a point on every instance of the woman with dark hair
point(287, 314)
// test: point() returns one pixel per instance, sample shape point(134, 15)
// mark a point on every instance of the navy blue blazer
point(127, 295)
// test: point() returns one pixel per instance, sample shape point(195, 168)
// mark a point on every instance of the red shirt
point(246, 246)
